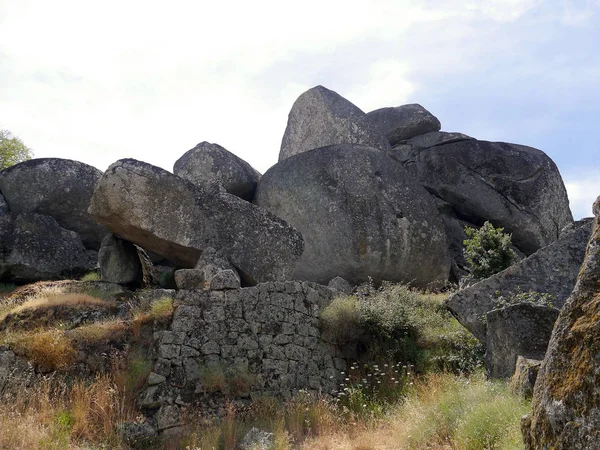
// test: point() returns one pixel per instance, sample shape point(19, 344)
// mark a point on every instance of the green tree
point(12, 150)
point(488, 251)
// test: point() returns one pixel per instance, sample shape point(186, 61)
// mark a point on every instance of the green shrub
point(396, 323)
point(488, 251)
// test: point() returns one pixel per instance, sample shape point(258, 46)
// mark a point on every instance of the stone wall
point(265, 340)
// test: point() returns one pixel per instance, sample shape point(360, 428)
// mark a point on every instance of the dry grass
point(54, 300)
point(101, 332)
point(61, 417)
point(50, 349)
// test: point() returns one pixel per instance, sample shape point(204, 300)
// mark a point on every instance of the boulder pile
point(383, 195)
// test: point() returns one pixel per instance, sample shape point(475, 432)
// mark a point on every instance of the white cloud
point(150, 79)
point(583, 190)
point(387, 84)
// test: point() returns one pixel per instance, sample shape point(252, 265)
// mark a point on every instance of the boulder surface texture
point(320, 117)
point(60, 188)
point(403, 122)
point(513, 186)
point(208, 164)
point(176, 219)
point(361, 215)
point(520, 329)
point(566, 398)
point(119, 262)
point(552, 270)
point(34, 247)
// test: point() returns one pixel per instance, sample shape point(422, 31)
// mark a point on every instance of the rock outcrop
point(520, 329)
point(60, 188)
point(552, 270)
point(403, 122)
point(321, 117)
point(361, 215)
point(566, 399)
point(176, 219)
point(513, 186)
point(34, 247)
point(208, 164)
point(119, 262)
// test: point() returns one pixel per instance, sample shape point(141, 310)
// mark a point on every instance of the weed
point(397, 323)
point(91, 276)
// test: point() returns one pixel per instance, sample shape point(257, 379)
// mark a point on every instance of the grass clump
point(91, 276)
point(466, 413)
point(50, 349)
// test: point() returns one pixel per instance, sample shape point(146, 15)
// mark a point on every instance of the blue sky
point(149, 80)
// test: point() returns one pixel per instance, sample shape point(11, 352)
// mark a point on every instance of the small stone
point(154, 379)
point(257, 439)
point(137, 435)
point(340, 285)
point(225, 279)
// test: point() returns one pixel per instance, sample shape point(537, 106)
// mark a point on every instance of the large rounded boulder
point(211, 164)
point(400, 123)
point(515, 187)
point(178, 220)
point(34, 247)
point(321, 117)
point(55, 187)
point(361, 215)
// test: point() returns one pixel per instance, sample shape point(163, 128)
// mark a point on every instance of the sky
point(101, 81)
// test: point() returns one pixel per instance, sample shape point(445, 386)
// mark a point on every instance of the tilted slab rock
point(320, 117)
point(210, 163)
point(519, 329)
point(55, 187)
point(566, 398)
point(34, 247)
point(403, 122)
point(551, 270)
point(361, 215)
point(174, 218)
point(513, 186)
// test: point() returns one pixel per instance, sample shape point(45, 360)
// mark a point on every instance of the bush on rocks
point(488, 251)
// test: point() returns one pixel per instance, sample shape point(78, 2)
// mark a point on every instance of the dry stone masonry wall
point(261, 340)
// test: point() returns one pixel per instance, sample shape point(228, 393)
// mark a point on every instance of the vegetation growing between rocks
point(488, 250)
point(396, 323)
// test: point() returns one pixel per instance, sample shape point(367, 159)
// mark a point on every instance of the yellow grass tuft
point(101, 332)
point(48, 300)
point(50, 349)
